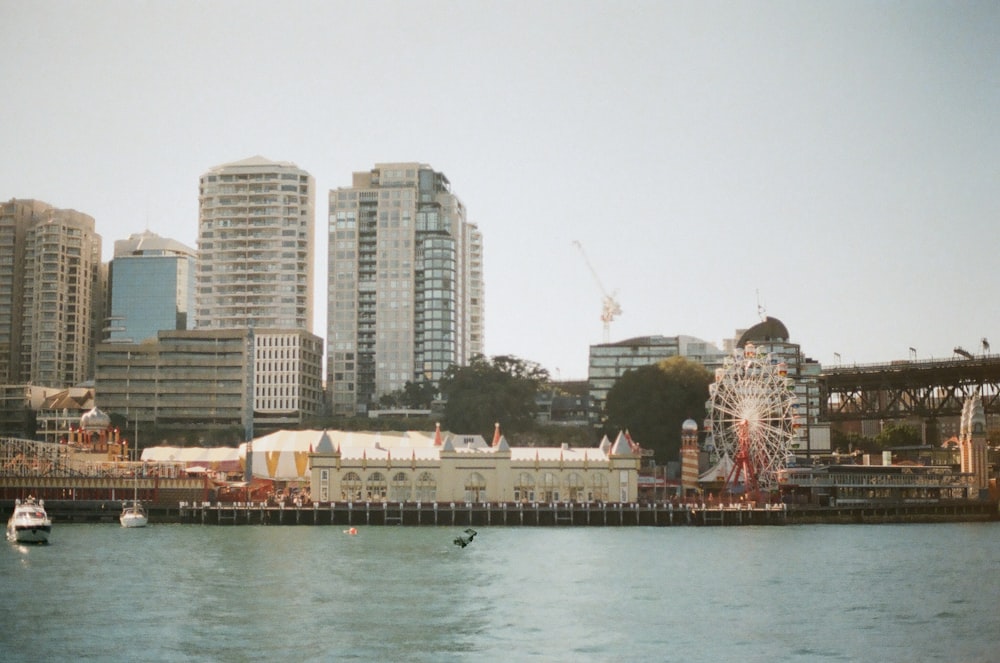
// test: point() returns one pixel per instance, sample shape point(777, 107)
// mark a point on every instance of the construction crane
point(609, 305)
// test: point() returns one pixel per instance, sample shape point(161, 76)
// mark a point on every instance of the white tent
point(719, 472)
point(283, 455)
point(219, 459)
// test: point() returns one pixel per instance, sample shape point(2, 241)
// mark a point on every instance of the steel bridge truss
point(927, 389)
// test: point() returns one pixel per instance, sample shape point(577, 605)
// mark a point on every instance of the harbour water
point(793, 593)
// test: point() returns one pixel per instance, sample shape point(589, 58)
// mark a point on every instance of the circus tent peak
point(719, 472)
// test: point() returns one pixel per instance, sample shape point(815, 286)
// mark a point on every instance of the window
point(426, 488)
point(350, 487)
point(399, 489)
point(574, 487)
point(324, 485)
point(475, 488)
point(599, 487)
point(376, 487)
point(524, 489)
point(549, 487)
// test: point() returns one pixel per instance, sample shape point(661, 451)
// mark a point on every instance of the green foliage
point(413, 395)
point(892, 435)
point(898, 435)
point(484, 392)
point(653, 401)
point(849, 442)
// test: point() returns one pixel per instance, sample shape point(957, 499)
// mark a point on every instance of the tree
point(891, 435)
point(897, 435)
point(849, 442)
point(413, 395)
point(653, 401)
point(484, 392)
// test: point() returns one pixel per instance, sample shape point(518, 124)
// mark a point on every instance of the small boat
point(133, 515)
point(29, 522)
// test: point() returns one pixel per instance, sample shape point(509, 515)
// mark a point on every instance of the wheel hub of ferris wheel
point(752, 409)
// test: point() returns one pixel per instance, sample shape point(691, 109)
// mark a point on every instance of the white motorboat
point(29, 522)
point(133, 515)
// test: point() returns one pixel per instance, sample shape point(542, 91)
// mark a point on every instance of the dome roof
point(94, 420)
point(689, 424)
point(771, 329)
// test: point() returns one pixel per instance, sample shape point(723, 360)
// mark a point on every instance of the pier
point(467, 514)
point(514, 514)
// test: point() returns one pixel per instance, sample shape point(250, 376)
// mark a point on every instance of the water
point(794, 593)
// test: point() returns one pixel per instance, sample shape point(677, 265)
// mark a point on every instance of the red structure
point(743, 463)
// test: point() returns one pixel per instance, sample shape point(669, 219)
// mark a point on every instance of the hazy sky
point(841, 159)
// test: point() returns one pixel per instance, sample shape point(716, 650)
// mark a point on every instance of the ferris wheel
point(752, 412)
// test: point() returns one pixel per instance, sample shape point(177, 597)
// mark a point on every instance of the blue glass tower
point(152, 288)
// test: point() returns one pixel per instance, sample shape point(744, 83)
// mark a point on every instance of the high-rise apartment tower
point(255, 241)
point(405, 293)
point(52, 286)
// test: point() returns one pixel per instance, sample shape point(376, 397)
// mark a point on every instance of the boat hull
point(29, 533)
point(29, 523)
point(133, 517)
point(133, 521)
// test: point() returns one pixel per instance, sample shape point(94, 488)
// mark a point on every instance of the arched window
point(350, 487)
point(400, 489)
point(426, 488)
point(598, 487)
point(524, 489)
point(549, 488)
point(375, 488)
point(574, 488)
point(475, 488)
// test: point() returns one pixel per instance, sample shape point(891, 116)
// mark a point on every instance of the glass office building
point(152, 288)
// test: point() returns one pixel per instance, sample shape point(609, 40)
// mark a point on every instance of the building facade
point(405, 294)
point(255, 239)
point(52, 294)
point(410, 467)
point(210, 380)
point(152, 288)
point(609, 361)
point(770, 337)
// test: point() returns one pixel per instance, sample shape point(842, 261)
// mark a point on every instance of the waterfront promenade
point(538, 514)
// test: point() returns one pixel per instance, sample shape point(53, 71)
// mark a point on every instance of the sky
point(834, 165)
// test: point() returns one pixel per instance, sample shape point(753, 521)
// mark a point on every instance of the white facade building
point(255, 247)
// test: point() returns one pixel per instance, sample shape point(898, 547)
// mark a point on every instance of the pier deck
point(353, 514)
point(356, 514)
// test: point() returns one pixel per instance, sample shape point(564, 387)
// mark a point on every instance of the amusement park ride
point(753, 417)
